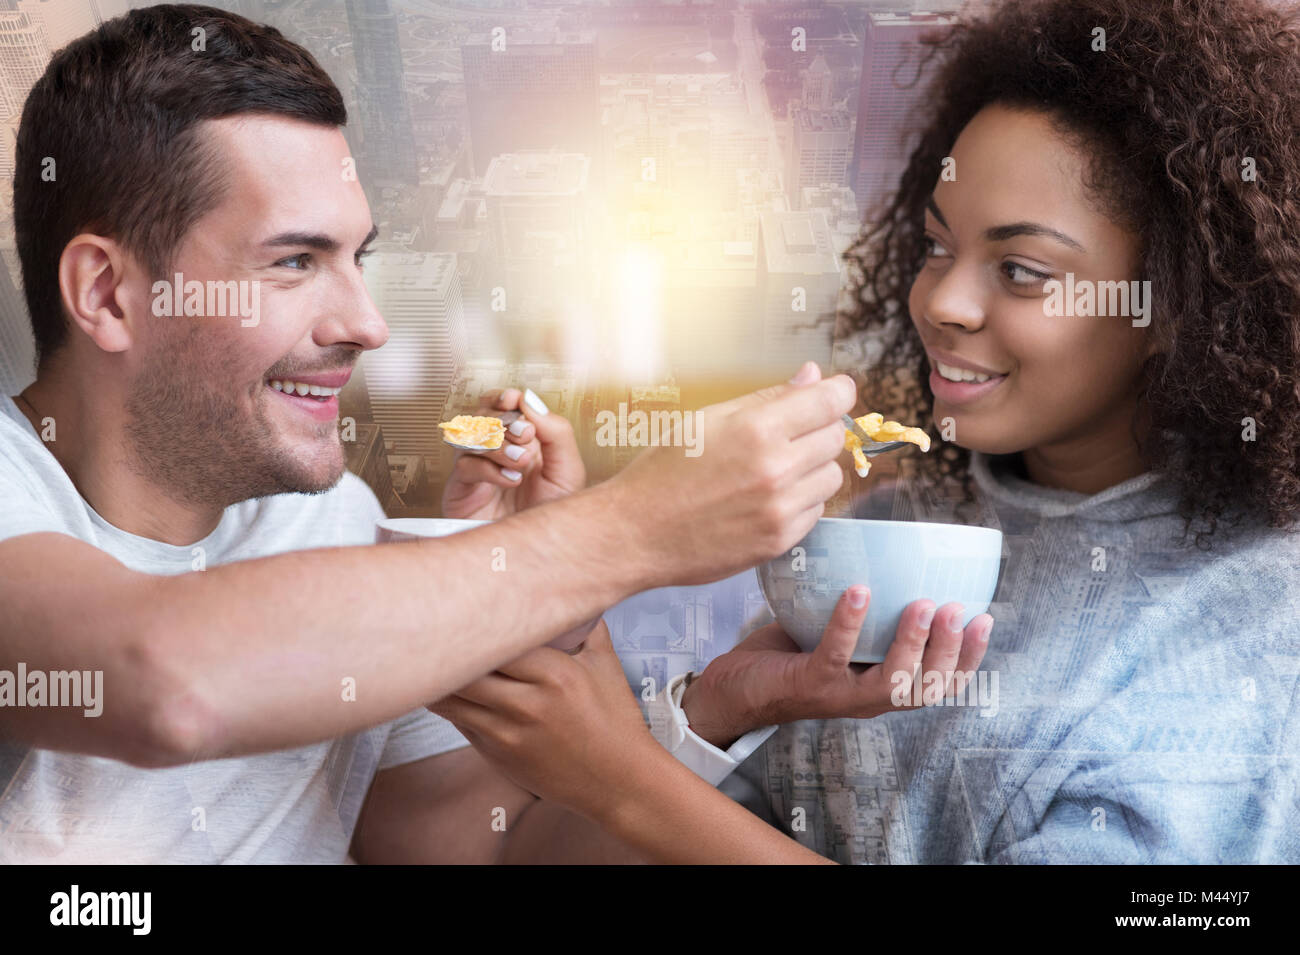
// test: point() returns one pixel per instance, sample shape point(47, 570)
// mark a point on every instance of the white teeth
point(298, 388)
point(960, 374)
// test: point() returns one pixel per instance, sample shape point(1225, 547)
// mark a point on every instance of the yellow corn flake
point(482, 432)
point(878, 429)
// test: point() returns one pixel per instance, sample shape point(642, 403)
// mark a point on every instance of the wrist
point(617, 515)
point(706, 718)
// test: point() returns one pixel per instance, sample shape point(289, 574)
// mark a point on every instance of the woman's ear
point(91, 273)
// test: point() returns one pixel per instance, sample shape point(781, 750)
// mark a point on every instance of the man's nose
point(356, 317)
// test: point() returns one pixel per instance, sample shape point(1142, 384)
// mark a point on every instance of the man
point(176, 518)
point(154, 464)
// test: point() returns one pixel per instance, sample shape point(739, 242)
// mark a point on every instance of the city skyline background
point(609, 202)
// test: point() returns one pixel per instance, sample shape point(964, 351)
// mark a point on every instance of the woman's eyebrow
point(934, 211)
point(1000, 232)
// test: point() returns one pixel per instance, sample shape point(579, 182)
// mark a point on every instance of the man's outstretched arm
point(253, 656)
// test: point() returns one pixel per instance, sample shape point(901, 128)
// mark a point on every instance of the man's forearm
point(283, 651)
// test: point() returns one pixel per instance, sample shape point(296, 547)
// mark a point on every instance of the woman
point(1100, 224)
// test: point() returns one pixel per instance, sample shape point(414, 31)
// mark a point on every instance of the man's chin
point(312, 474)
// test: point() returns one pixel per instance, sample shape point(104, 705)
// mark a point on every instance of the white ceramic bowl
point(901, 561)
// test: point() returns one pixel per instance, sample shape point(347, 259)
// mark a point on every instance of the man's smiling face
point(204, 420)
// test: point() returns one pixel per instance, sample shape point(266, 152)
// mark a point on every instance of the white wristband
point(669, 725)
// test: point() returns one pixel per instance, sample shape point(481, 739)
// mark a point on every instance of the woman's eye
point(361, 259)
point(1020, 275)
point(302, 258)
point(934, 248)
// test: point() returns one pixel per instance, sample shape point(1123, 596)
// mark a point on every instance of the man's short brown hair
point(118, 111)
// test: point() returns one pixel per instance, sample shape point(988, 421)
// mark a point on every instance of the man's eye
point(1020, 275)
point(301, 260)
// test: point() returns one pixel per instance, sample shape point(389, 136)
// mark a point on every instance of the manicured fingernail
point(988, 632)
point(926, 618)
point(514, 452)
point(511, 474)
point(956, 619)
point(517, 426)
point(534, 402)
point(857, 597)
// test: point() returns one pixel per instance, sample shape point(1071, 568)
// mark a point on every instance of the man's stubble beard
point(200, 445)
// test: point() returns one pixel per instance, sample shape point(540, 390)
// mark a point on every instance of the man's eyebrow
point(1001, 232)
point(316, 240)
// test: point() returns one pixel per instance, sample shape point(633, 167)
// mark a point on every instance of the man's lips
point(328, 379)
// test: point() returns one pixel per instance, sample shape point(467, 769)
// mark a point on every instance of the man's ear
point(92, 271)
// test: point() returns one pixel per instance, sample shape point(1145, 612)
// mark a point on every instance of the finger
point(840, 638)
point(476, 469)
point(805, 408)
point(467, 716)
point(903, 658)
point(519, 457)
point(809, 451)
point(535, 666)
point(819, 485)
point(942, 650)
point(973, 647)
point(557, 443)
point(521, 431)
point(495, 692)
point(808, 372)
point(507, 399)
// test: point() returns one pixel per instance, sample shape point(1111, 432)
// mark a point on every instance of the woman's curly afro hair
point(1187, 99)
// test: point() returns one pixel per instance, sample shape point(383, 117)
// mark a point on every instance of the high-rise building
point(800, 278)
point(24, 53)
point(62, 20)
point(408, 379)
point(890, 104)
point(531, 91)
point(387, 155)
point(821, 145)
point(818, 85)
point(538, 221)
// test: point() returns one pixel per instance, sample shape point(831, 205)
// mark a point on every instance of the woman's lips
point(961, 392)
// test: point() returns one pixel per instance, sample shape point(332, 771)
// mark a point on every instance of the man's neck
point(91, 445)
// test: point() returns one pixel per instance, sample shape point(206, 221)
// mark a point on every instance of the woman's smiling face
point(1015, 216)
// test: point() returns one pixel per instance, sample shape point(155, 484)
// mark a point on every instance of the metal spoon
point(871, 448)
point(507, 419)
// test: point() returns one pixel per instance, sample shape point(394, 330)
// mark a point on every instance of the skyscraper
point(821, 145)
point(538, 220)
point(62, 20)
point(818, 85)
point(531, 91)
point(799, 274)
point(24, 53)
point(408, 379)
point(387, 155)
point(889, 101)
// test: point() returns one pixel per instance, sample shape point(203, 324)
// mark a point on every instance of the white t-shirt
point(292, 806)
